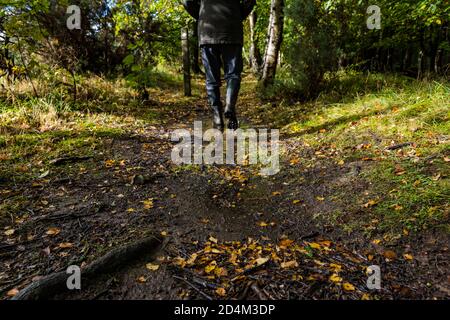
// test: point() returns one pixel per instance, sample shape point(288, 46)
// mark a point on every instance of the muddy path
point(230, 233)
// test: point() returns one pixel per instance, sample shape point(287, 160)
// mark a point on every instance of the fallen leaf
point(408, 256)
point(213, 240)
point(315, 245)
point(261, 261)
point(335, 278)
point(142, 279)
point(365, 296)
point(289, 264)
point(148, 204)
point(370, 204)
point(296, 201)
point(336, 267)
point(192, 259)
point(389, 254)
point(65, 245)
point(53, 231)
point(152, 267)
point(399, 170)
point(263, 224)
point(210, 268)
point(12, 292)
point(221, 292)
point(285, 243)
point(9, 232)
point(348, 287)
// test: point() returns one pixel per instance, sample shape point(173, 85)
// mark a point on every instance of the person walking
point(221, 38)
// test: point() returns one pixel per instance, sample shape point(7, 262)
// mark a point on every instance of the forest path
point(230, 233)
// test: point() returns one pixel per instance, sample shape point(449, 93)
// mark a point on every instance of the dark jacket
point(220, 21)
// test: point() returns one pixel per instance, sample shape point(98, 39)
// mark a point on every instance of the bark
point(195, 51)
point(186, 62)
point(255, 54)
point(275, 38)
point(56, 283)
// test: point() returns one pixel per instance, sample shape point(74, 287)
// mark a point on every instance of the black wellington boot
point(216, 107)
point(233, 87)
point(218, 122)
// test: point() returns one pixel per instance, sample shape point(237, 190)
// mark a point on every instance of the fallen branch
point(60, 161)
point(261, 295)
point(56, 283)
point(399, 146)
point(193, 287)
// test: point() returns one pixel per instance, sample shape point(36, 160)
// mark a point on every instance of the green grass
point(361, 116)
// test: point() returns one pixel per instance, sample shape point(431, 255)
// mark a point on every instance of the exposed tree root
point(56, 283)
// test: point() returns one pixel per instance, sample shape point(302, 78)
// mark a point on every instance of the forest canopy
point(316, 38)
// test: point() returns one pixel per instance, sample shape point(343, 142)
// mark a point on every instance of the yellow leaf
point(365, 296)
point(9, 232)
point(335, 278)
point(164, 233)
point(179, 262)
point(65, 245)
point(12, 292)
point(315, 245)
point(285, 243)
point(110, 163)
point(142, 279)
point(213, 240)
point(336, 267)
point(320, 198)
point(290, 264)
point(152, 267)
point(221, 292)
point(148, 204)
point(276, 193)
point(389, 254)
point(131, 210)
point(348, 287)
point(53, 231)
point(408, 256)
point(192, 259)
point(261, 261)
point(220, 272)
point(370, 204)
point(263, 224)
point(210, 268)
point(296, 201)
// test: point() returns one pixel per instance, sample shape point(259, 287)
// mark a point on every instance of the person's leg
point(233, 66)
point(212, 62)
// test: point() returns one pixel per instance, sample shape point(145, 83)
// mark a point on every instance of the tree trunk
point(195, 51)
point(420, 65)
point(255, 55)
point(186, 62)
point(275, 36)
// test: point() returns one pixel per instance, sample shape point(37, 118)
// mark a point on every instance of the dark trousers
point(228, 56)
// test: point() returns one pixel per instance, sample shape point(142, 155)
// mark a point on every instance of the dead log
point(56, 283)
